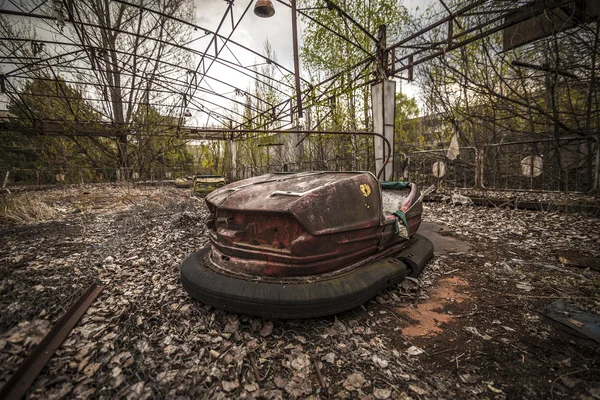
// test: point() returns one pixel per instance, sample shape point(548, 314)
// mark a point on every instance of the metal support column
point(232, 156)
point(383, 100)
point(296, 62)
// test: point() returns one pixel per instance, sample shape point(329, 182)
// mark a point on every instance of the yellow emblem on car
point(365, 189)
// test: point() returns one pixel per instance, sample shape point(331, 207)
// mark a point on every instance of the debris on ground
point(576, 259)
point(144, 337)
point(586, 323)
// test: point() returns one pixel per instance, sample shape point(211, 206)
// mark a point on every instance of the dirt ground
point(471, 327)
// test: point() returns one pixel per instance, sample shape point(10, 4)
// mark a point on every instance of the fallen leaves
point(91, 369)
point(494, 389)
point(355, 382)
point(329, 358)
point(300, 362)
point(298, 387)
point(474, 331)
point(230, 386)
point(382, 394)
point(414, 351)
point(123, 359)
point(267, 329)
point(524, 286)
point(145, 337)
point(117, 377)
point(109, 260)
point(380, 362)
point(417, 389)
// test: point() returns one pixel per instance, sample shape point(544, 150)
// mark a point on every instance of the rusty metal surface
point(296, 61)
point(302, 279)
point(264, 9)
point(286, 225)
point(19, 383)
point(322, 202)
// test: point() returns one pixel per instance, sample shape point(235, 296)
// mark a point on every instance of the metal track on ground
point(23, 378)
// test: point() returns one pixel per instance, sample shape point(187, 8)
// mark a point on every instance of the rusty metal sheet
point(585, 323)
point(302, 224)
point(322, 203)
point(545, 18)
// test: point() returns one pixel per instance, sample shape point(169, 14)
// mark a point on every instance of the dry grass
point(25, 209)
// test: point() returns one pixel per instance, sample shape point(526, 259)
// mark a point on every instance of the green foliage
point(324, 51)
point(52, 100)
point(155, 143)
point(324, 54)
point(407, 133)
point(53, 105)
point(60, 110)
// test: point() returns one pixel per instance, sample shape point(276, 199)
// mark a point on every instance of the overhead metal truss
point(179, 74)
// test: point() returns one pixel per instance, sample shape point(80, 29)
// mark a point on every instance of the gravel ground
point(470, 327)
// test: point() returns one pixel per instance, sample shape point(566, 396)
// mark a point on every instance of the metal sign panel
point(438, 169)
point(532, 166)
point(547, 17)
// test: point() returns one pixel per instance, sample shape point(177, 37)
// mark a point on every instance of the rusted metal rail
point(23, 378)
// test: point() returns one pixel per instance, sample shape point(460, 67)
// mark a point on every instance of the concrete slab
point(442, 244)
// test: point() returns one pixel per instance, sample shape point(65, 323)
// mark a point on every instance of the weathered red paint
point(303, 224)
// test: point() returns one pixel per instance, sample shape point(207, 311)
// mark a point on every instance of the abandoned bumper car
point(306, 244)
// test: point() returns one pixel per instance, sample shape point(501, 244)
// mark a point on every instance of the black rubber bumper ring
point(300, 300)
point(417, 255)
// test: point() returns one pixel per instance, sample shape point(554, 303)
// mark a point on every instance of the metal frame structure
point(79, 55)
point(179, 86)
point(80, 58)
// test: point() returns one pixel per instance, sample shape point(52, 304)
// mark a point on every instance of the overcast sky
point(254, 31)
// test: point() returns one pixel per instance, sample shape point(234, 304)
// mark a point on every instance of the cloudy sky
point(254, 31)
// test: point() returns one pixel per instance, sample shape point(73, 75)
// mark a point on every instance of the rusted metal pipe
point(544, 68)
point(21, 381)
point(596, 187)
point(296, 63)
